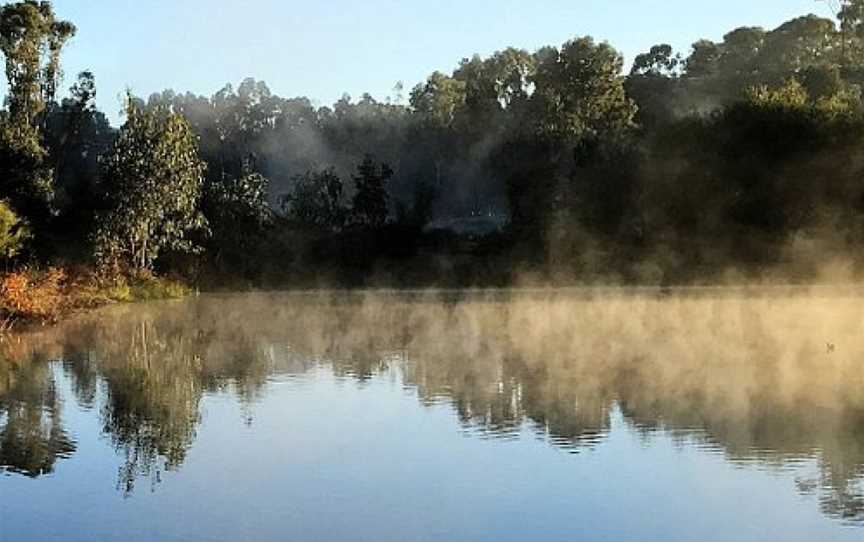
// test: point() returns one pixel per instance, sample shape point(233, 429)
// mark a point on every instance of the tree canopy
point(154, 179)
point(726, 154)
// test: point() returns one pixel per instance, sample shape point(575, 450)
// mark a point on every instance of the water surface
point(535, 415)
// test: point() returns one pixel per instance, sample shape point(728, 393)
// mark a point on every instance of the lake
point(703, 414)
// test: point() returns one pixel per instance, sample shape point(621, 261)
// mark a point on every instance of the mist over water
point(709, 414)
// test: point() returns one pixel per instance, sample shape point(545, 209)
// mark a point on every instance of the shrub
point(140, 286)
point(13, 232)
point(32, 295)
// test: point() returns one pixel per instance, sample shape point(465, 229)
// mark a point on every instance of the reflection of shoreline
point(583, 291)
point(32, 434)
point(750, 374)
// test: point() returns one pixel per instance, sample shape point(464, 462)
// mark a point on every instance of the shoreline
point(75, 304)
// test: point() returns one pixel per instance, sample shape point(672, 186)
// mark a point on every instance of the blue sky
point(322, 49)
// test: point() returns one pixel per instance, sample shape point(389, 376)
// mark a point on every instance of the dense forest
point(740, 158)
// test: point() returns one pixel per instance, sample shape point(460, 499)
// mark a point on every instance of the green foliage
point(143, 287)
point(743, 144)
point(77, 135)
point(793, 98)
point(369, 206)
point(719, 73)
point(439, 99)
point(580, 93)
point(316, 200)
point(659, 61)
point(851, 17)
point(154, 179)
point(13, 232)
point(31, 40)
point(792, 95)
point(239, 215)
point(28, 183)
point(238, 205)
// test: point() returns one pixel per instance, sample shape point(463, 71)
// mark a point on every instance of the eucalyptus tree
point(31, 40)
point(238, 213)
point(153, 178)
point(660, 60)
point(654, 84)
point(369, 205)
point(76, 136)
point(718, 74)
point(316, 201)
point(851, 16)
point(439, 99)
point(435, 106)
point(798, 44)
point(579, 92)
point(578, 106)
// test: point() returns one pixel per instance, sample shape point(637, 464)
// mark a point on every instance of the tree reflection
point(747, 375)
point(32, 437)
point(156, 366)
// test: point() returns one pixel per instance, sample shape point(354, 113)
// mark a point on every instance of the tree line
point(740, 153)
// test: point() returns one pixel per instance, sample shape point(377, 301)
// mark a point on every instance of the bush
point(31, 295)
point(43, 296)
point(13, 232)
point(142, 286)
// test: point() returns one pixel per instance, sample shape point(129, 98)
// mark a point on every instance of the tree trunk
point(143, 265)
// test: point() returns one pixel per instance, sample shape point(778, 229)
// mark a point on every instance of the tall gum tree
point(155, 179)
point(31, 40)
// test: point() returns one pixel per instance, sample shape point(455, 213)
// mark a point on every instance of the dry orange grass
point(30, 295)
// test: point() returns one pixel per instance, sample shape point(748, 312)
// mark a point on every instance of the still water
point(535, 415)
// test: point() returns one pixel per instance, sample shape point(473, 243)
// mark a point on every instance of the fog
point(767, 375)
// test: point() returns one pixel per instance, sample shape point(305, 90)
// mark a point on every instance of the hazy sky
point(322, 49)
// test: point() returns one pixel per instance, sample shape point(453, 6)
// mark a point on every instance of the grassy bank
point(44, 296)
